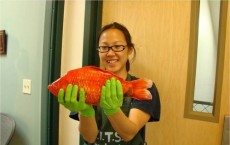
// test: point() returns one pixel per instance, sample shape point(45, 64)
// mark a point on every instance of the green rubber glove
point(111, 97)
point(69, 100)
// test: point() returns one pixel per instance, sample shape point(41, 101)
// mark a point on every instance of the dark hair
point(127, 35)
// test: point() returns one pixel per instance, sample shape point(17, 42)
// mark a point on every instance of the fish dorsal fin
point(105, 71)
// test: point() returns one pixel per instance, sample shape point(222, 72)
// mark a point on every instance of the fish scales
point(93, 78)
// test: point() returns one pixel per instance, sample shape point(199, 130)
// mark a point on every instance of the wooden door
point(160, 31)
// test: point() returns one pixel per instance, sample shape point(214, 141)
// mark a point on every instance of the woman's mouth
point(112, 61)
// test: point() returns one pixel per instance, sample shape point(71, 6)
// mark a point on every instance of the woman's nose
point(110, 52)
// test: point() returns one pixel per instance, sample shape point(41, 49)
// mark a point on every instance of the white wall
point(72, 52)
point(27, 25)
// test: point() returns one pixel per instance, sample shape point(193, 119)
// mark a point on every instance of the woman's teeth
point(112, 61)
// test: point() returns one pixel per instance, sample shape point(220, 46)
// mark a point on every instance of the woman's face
point(114, 61)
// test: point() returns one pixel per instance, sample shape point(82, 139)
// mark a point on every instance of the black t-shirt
point(152, 107)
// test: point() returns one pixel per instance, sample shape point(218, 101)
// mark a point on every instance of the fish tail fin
point(139, 89)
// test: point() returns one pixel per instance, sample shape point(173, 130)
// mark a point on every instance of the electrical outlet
point(26, 86)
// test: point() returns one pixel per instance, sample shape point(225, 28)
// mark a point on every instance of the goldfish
point(92, 79)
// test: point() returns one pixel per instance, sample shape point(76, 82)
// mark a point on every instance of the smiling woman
point(114, 61)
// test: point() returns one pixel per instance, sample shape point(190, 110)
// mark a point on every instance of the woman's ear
point(130, 50)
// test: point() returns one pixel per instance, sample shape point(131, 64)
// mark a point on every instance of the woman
point(117, 119)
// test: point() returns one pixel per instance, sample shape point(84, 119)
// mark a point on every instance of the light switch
point(26, 86)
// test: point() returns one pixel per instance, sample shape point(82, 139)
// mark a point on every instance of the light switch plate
point(26, 86)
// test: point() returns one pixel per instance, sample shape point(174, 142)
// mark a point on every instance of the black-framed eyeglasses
point(115, 48)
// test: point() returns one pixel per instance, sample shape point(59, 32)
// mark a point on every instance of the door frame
point(92, 25)
point(54, 69)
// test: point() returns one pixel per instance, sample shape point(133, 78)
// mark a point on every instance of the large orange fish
point(93, 78)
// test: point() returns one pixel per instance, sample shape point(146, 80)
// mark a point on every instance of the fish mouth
point(53, 89)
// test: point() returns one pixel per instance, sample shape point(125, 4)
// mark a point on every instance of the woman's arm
point(127, 127)
point(111, 101)
point(88, 128)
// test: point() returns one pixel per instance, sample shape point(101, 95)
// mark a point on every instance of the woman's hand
point(111, 96)
point(69, 100)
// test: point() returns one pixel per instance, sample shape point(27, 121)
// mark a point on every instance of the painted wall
point(72, 52)
point(27, 24)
